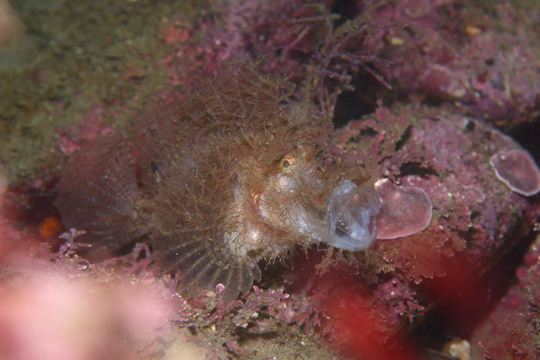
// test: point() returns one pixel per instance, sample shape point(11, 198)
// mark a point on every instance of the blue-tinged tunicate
point(351, 216)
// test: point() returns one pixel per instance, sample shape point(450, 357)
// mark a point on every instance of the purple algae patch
point(517, 170)
point(405, 210)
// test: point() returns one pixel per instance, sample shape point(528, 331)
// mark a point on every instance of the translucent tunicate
point(351, 216)
point(517, 169)
point(405, 210)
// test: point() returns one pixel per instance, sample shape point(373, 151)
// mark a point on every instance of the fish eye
point(288, 163)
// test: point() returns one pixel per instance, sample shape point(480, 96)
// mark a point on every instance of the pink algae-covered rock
point(61, 307)
point(517, 170)
point(474, 219)
point(511, 331)
point(445, 52)
point(405, 210)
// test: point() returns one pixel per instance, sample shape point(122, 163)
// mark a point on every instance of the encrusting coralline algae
point(414, 81)
point(232, 177)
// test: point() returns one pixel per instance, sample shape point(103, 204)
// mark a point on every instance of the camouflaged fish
point(234, 176)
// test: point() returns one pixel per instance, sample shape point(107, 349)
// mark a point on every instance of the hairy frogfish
point(235, 176)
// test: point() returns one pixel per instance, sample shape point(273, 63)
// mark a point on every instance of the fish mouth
point(345, 220)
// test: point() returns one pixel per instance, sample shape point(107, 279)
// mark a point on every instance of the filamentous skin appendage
point(231, 177)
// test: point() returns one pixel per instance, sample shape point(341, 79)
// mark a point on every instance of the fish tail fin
point(99, 193)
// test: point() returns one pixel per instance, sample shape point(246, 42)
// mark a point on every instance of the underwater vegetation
point(307, 179)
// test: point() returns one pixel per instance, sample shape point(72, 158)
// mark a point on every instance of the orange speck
point(396, 41)
point(50, 226)
point(472, 30)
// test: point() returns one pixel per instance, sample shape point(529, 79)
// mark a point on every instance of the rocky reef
point(433, 105)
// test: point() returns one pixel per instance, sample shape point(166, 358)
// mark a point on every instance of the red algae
point(517, 169)
point(91, 127)
point(511, 331)
point(59, 306)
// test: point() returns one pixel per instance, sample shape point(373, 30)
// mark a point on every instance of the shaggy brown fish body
point(232, 177)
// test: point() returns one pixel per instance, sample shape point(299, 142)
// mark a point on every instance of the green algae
point(72, 57)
